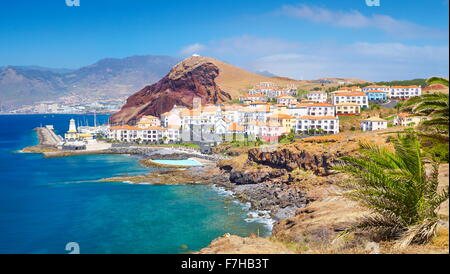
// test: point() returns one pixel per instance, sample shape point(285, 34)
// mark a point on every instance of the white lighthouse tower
point(72, 126)
point(71, 135)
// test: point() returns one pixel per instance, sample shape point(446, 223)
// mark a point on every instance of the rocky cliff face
point(191, 78)
point(289, 159)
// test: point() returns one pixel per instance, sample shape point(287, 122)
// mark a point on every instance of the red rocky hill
point(185, 81)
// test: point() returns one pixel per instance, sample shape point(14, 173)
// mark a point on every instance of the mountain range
point(106, 79)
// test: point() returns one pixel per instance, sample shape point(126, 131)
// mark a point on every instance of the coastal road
point(389, 104)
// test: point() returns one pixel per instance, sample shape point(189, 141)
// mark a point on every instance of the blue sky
point(303, 39)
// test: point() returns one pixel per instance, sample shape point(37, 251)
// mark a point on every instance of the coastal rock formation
point(188, 79)
point(318, 158)
point(246, 177)
point(290, 160)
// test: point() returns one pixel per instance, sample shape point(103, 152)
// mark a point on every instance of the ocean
point(47, 203)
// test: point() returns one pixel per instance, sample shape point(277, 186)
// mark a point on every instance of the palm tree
point(395, 186)
point(398, 106)
point(435, 106)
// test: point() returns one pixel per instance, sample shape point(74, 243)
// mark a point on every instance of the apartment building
point(374, 123)
point(359, 98)
point(317, 96)
point(325, 124)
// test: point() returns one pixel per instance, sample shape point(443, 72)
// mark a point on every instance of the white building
point(375, 87)
point(325, 124)
point(374, 123)
point(264, 130)
point(286, 100)
point(171, 118)
point(130, 134)
point(359, 98)
point(405, 92)
point(408, 120)
point(251, 98)
point(317, 96)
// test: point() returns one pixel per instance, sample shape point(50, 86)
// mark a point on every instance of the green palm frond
point(395, 186)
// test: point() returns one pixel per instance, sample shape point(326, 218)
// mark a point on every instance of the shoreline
point(264, 205)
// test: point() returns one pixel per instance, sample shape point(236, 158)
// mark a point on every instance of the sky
point(302, 39)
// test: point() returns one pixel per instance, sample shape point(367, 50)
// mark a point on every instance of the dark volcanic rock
point(245, 177)
point(172, 156)
point(290, 160)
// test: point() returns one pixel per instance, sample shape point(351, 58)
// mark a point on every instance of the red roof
point(318, 118)
point(351, 94)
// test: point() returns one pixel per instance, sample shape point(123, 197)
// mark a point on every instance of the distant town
point(70, 106)
point(266, 114)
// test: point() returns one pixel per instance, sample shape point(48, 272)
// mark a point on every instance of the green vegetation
point(301, 93)
point(435, 150)
point(398, 106)
point(395, 186)
point(245, 144)
point(435, 107)
point(232, 102)
point(437, 80)
point(417, 82)
point(373, 106)
point(287, 139)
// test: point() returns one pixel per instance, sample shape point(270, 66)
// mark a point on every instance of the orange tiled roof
point(317, 118)
point(413, 86)
point(251, 96)
point(235, 127)
point(281, 116)
point(259, 103)
point(374, 86)
point(351, 94)
point(315, 105)
point(127, 127)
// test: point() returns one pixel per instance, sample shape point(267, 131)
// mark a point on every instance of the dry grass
point(236, 81)
point(236, 162)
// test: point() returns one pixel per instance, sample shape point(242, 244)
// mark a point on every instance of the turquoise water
point(186, 162)
point(46, 203)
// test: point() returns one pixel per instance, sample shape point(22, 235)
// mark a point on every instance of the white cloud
point(191, 49)
point(357, 20)
point(246, 45)
point(368, 61)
